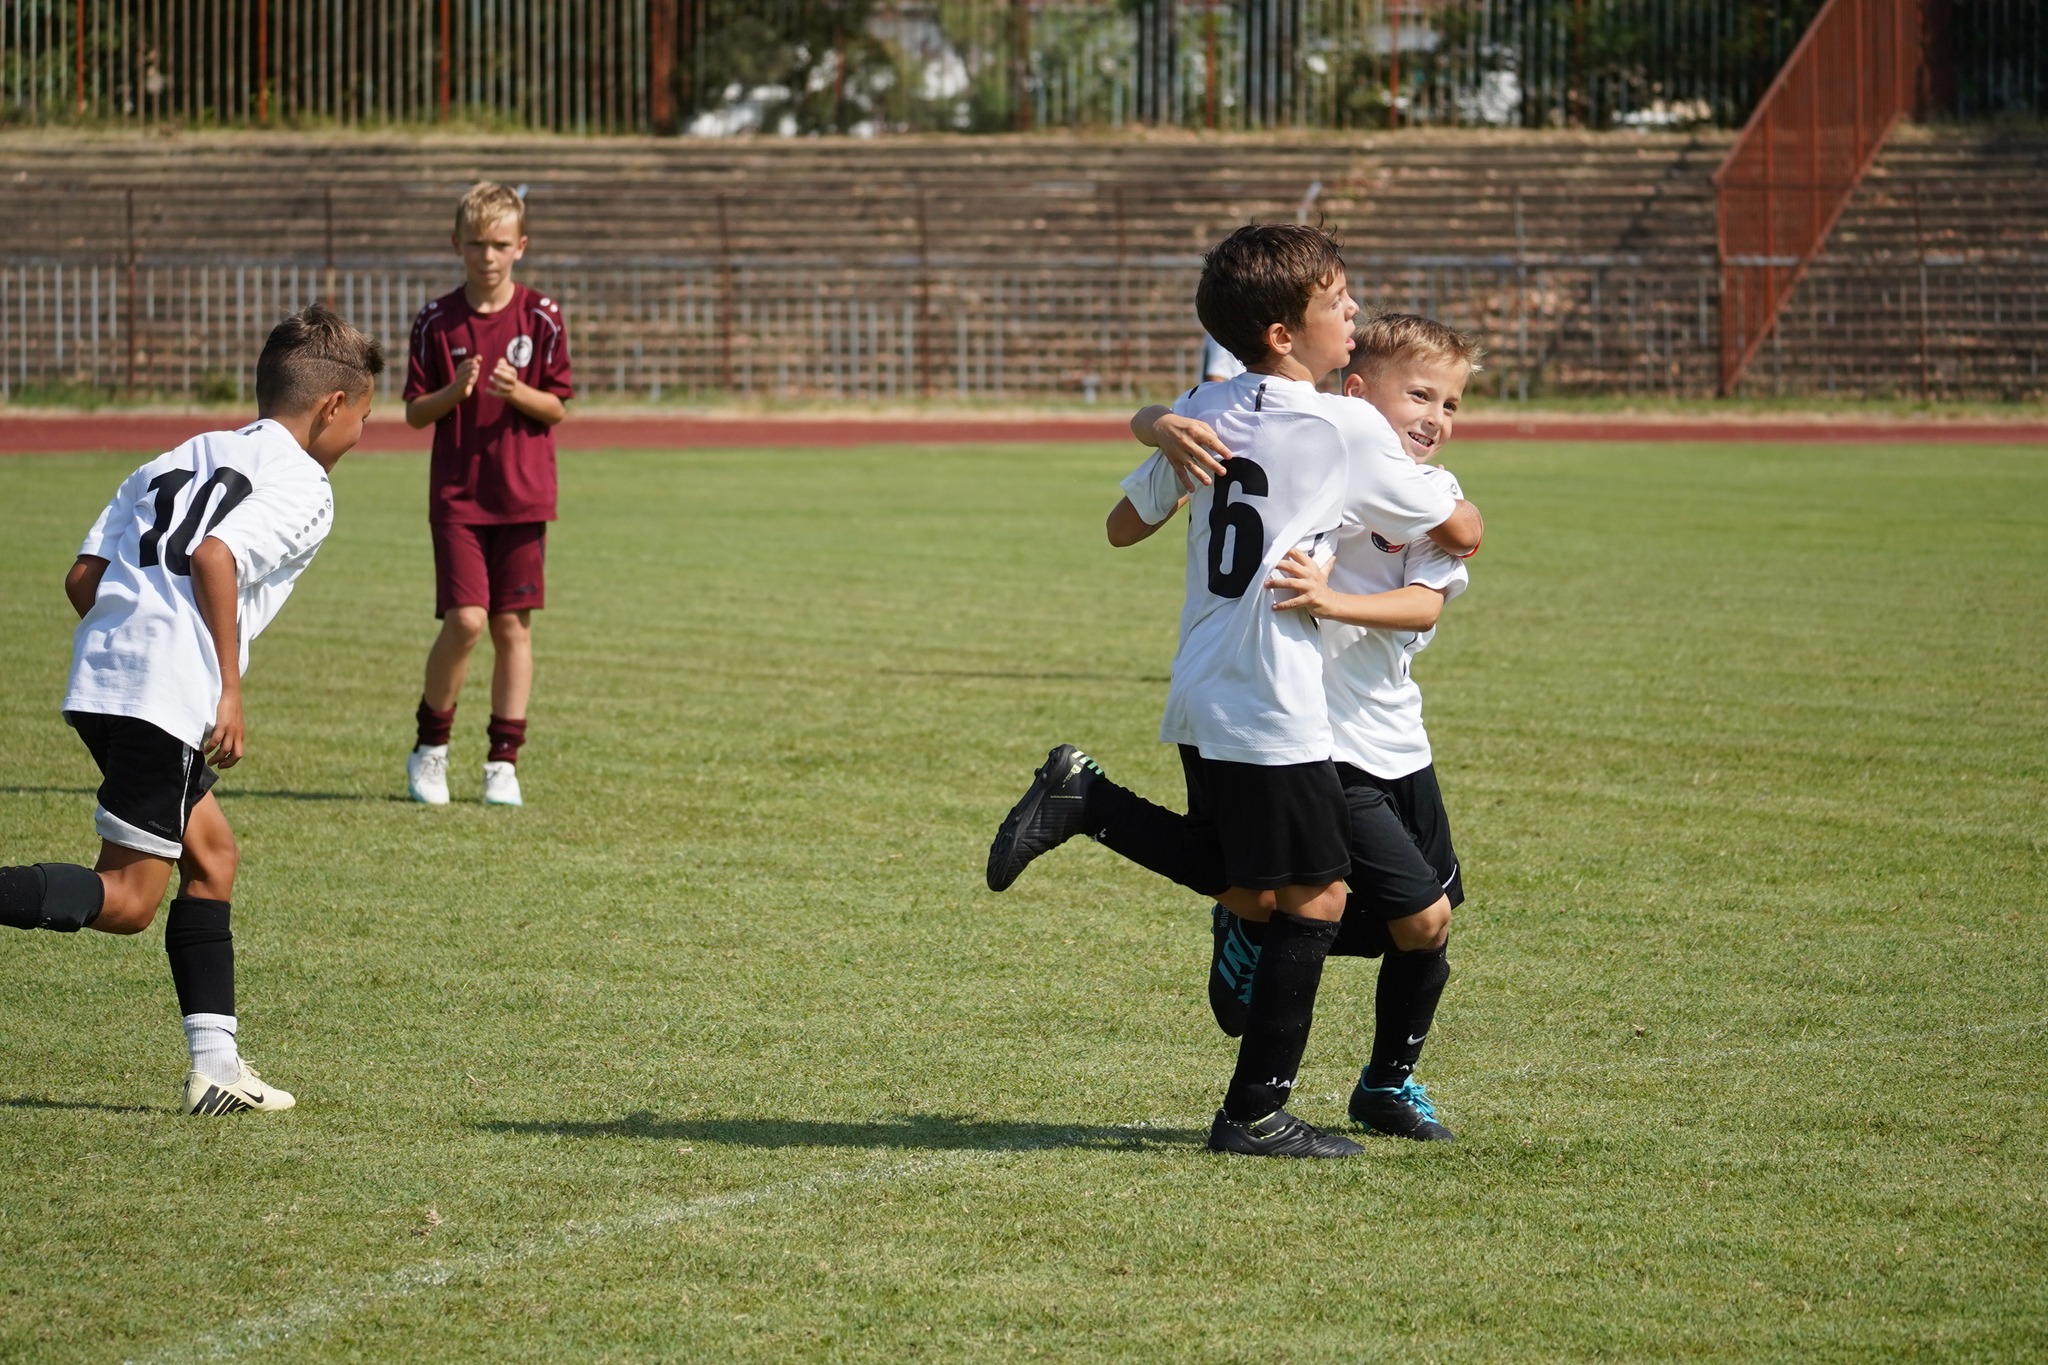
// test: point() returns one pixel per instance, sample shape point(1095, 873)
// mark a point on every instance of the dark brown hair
point(311, 354)
point(1261, 274)
point(1403, 336)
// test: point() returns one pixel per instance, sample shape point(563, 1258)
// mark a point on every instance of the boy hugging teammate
point(1378, 602)
point(488, 370)
point(194, 556)
point(1267, 819)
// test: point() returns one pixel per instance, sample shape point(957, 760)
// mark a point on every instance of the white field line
point(309, 1315)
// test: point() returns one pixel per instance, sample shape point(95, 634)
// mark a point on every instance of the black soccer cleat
point(1398, 1111)
point(1278, 1134)
point(1233, 958)
point(1048, 815)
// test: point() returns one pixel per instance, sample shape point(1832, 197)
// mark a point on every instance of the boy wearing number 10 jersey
point(1246, 701)
point(192, 558)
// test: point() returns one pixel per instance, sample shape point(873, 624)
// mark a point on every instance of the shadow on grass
point(230, 793)
point(37, 1102)
point(1011, 675)
point(921, 1132)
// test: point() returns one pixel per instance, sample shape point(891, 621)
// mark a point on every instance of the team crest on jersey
point(1381, 543)
point(520, 351)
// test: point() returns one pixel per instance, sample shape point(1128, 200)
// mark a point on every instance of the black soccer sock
point(1404, 1008)
point(1153, 837)
point(1282, 1008)
point(63, 897)
point(202, 952)
point(1362, 935)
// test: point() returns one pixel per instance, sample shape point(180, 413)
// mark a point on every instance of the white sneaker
point(205, 1095)
point(501, 785)
point(426, 774)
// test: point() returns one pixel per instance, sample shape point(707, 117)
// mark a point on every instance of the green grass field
point(720, 1050)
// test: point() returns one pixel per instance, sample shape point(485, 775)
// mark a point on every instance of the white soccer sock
point(212, 1039)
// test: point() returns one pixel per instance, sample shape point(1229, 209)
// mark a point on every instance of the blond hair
point(1410, 336)
point(488, 201)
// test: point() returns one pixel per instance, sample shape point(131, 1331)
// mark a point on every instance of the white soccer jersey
point(144, 650)
point(1375, 707)
point(1247, 680)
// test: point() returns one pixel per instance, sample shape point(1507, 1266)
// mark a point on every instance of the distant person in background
point(489, 370)
point(1218, 363)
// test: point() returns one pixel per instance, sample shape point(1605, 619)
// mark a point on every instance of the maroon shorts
point(496, 567)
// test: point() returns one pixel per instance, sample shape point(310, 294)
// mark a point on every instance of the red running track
point(135, 433)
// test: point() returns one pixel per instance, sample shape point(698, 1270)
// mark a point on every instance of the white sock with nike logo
point(212, 1040)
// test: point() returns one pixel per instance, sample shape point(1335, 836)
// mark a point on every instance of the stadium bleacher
point(989, 266)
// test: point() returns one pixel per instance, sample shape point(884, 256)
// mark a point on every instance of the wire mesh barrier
point(1106, 332)
point(1809, 144)
point(723, 66)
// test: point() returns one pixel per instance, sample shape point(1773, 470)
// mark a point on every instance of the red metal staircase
point(1807, 147)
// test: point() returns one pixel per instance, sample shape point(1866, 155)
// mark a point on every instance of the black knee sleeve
point(201, 948)
point(63, 897)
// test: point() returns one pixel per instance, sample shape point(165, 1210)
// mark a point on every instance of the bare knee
point(208, 870)
point(464, 626)
point(1254, 906)
point(1423, 931)
point(125, 911)
point(510, 627)
point(1324, 903)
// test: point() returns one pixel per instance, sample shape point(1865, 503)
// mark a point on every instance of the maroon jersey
point(493, 465)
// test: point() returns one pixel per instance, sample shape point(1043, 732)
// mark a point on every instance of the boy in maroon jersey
point(489, 369)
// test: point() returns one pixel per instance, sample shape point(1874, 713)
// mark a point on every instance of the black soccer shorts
point(149, 782)
point(1401, 855)
point(1277, 826)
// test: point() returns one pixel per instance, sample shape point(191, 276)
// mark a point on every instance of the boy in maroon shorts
point(489, 369)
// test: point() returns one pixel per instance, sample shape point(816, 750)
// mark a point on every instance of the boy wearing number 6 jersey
point(1246, 701)
point(192, 558)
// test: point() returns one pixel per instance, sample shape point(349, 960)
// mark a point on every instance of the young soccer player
point(1246, 704)
point(1378, 605)
point(194, 556)
point(489, 371)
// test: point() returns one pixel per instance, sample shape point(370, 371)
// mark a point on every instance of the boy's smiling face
point(1419, 397)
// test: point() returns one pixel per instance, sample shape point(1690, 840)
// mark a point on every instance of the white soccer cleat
point(426, 774)
point(205, 1095)
point(501, 785)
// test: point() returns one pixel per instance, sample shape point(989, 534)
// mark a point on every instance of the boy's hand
point(224, 741)
point(466, 375)
point(1306, 579)
point(504, 379)
point(1192, 448)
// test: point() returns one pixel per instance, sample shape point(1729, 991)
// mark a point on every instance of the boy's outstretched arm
point(1414, 607)
point(1126, 527)
point(1461, 531)
point(1191, 447)
point(82, 583)
point(213, 584)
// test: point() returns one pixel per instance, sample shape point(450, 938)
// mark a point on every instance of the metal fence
point(1939, 327)
point(565, 65)
point(892, 65)
point(1809, 144)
